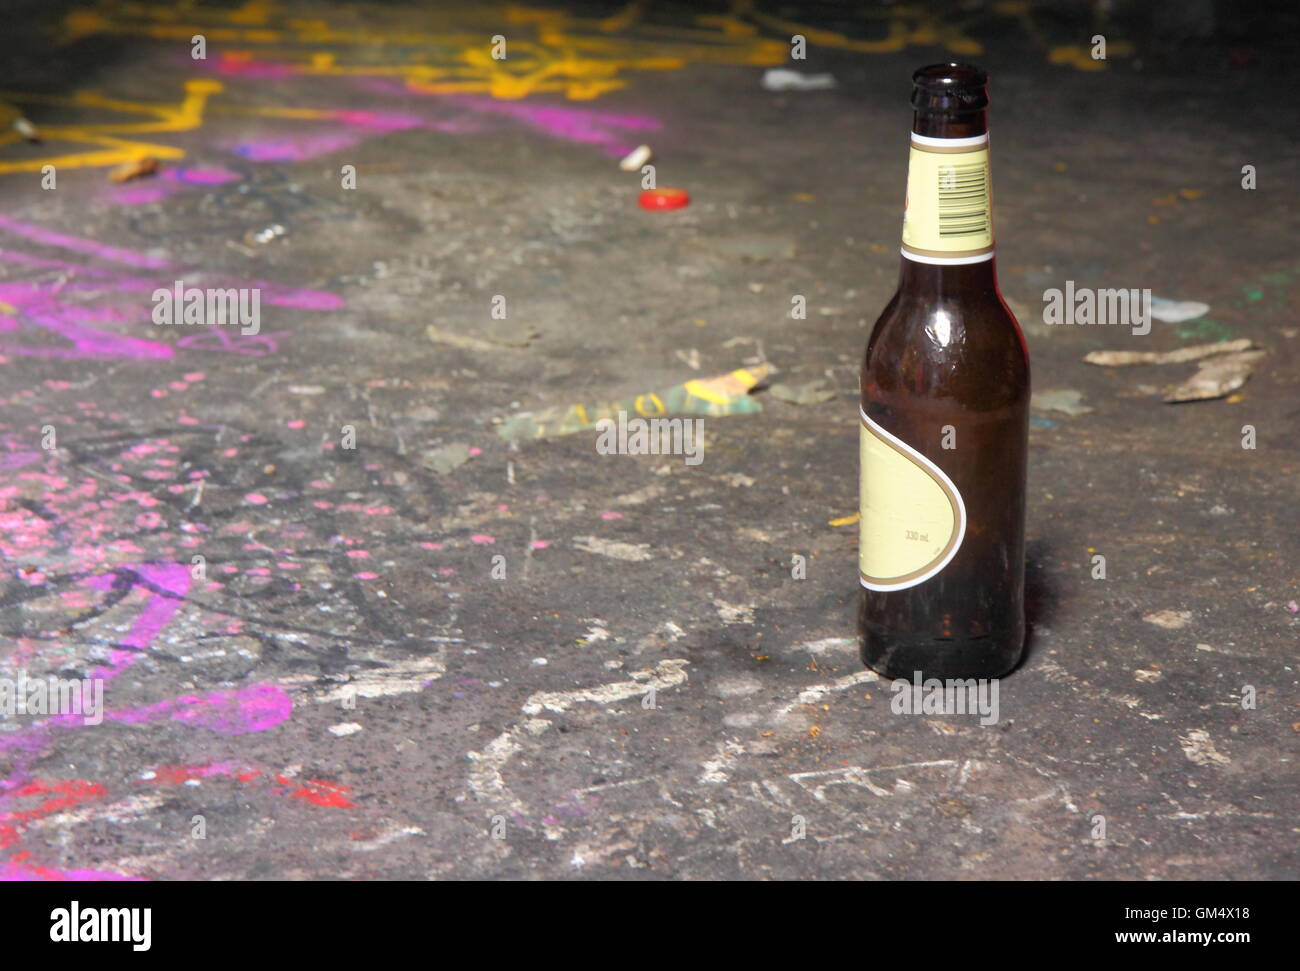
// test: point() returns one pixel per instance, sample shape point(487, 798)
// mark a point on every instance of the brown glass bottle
point(945, 412)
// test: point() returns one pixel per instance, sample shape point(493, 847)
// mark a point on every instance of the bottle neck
point(937, 283)
point(948, 226)
point(950, 124)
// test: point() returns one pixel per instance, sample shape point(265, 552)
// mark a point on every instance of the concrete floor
point(347, 691)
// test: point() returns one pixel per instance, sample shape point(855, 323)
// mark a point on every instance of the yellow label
point(913, 518)
point(949, 207)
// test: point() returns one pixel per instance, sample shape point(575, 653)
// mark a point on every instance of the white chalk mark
point(117, 812)
point(666, 674)
point(487, 773)
point(819, 691)
point(855, 775)
point(734, 613)
point(831, 645)
point(633, 553)
point(390, 835)
point(717, 769)
point(397, 679)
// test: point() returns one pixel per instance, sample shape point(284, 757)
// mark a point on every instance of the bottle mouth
point(950, 87)
point(945, 77)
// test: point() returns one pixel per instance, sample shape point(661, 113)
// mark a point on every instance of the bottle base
point(893, 656)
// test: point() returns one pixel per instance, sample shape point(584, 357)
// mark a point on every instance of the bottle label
point(948, 215)
point(912, 516)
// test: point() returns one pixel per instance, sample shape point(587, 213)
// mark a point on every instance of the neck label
point(948, 215)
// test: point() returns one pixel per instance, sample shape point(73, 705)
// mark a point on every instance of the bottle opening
point(950, 88)
point(942, 77)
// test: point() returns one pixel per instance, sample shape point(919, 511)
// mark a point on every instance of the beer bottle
point(944, 416)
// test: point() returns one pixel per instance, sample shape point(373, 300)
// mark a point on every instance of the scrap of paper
point(726, 394)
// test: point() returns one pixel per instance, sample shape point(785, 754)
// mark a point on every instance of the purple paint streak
point(580, 125)
point(50, 238)
point(54, 306)
point(253, 709)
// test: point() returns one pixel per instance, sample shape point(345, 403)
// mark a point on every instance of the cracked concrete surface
point(529, 660)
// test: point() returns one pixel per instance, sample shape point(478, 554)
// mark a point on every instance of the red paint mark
point(175, 775)
point(64, 793)
point(321, 793)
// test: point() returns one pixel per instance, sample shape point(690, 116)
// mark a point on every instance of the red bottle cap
point(664, 199)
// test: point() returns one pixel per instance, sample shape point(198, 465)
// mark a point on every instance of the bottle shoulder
point(966, 346)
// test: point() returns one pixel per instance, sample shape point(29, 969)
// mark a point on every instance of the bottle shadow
point(1041, 601)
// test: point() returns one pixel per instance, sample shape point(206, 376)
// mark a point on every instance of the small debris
point(662, 200)
point(260, 237)
point(723, 394)
point(632, 553)
point(1216, 377)
point(1065, 400)
point(951, 807)
point(135, 169)
point(812, 393)
point(446, 459)
point(1147, 677)
point(690, 358)
point(1179, 356)
point(26, 130)
point(1199, 748)
point(783, 79)
point(345, 729)
point(755, 248)
point(633, 160)
point(1169, 619)
point(1176, 311)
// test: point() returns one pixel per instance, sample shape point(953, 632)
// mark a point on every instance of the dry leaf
point(1216, 377)
point(1179, 356)
point(519, 336)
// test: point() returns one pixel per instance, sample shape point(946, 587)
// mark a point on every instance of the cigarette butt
point(636, 158)
point(134, 169)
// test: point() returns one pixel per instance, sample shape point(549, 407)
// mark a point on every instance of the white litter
point(783, 79)
point(1176, 311)
point(636, 158)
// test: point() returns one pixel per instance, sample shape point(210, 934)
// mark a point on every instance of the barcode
point(963, 199)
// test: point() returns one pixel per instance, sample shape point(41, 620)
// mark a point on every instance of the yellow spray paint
point(448, 51)
point(112, 147)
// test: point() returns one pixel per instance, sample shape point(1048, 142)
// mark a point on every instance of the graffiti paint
point(55, 307)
